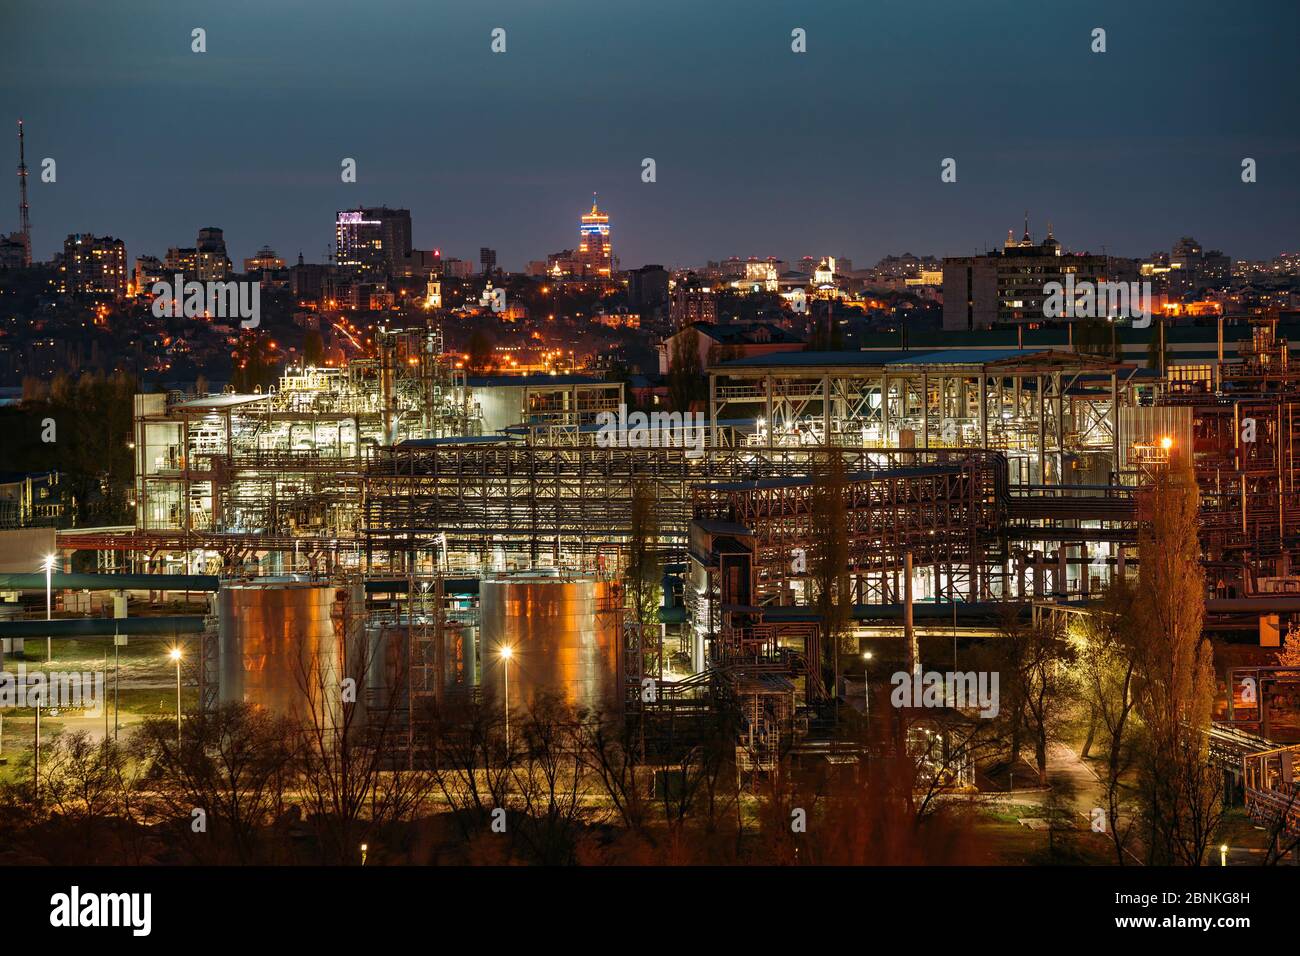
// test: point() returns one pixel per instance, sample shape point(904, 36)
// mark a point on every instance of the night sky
point(760, 151)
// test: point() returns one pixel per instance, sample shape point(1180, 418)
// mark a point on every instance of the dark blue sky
point(760, 151)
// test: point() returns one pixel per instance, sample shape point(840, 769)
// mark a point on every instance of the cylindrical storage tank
point(287, 646)
point(563, 633)
point(460, 662)
point(395, 673)
point(386, 670)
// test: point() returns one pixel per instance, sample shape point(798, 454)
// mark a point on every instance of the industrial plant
point(374, 544)
point(619, 442)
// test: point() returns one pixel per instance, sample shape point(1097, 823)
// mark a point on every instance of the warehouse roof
point(214, 403)
point(915, 357)
point(914, 471)
point(535, 380)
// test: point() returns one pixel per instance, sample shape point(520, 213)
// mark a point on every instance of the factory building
point(476, 516)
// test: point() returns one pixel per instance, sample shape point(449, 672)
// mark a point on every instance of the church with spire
point(1048, 246)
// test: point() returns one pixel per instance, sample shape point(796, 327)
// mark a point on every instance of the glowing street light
point(48, 565)
point(507, 652)
point(1166, 443)
point(1223, 854)
point(175, 655)
point(866, 686)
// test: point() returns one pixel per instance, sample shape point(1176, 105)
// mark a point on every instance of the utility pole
point(36, 754)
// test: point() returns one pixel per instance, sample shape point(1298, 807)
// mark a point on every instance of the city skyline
point(837, 149)
point(330, 254)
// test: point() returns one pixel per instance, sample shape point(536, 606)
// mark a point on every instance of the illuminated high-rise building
point(594, 256)
point(372, 241)
point(94, 266)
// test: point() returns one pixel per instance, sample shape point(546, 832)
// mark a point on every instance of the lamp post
point(176, 656)
point(1223, 854)
point(48, 565)
point(866, 686)
point(507, 652)
point(36, 754)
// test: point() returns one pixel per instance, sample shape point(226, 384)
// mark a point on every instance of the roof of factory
point(213, 403)
point(456, 440)
point(715, 526)
point(534, 380)
point(965, 356)
point(912, 471)
point(842, 357)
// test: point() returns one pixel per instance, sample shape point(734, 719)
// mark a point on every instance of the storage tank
point(394, 672)
point(564, 636)
point(288, 645)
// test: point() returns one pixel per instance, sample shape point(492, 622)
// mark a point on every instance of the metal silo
point(439, 667)
point(564, 636)
point(288, 645)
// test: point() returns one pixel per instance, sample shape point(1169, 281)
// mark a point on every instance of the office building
point(1006, 286)
point(372, 241)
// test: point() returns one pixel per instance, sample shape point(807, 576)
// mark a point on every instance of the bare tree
point(1037, 684)
point(548, 781)
point(1107, 670)
point(352, 787)
point(472, 763)
point(233, 765)
point(611, 750)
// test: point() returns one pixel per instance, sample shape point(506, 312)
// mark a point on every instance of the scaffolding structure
point(1245, 430)
point(229, 479)
point(1043, 410)
point(1005, 476)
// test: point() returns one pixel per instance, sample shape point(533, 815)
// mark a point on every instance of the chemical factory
point(421, 536)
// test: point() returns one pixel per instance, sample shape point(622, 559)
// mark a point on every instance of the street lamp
point(176, 657)
point(36, 753)
point(48, 565)
point(1223, 854)
point(507, 652)
point(364, 849)
point(866, 686)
